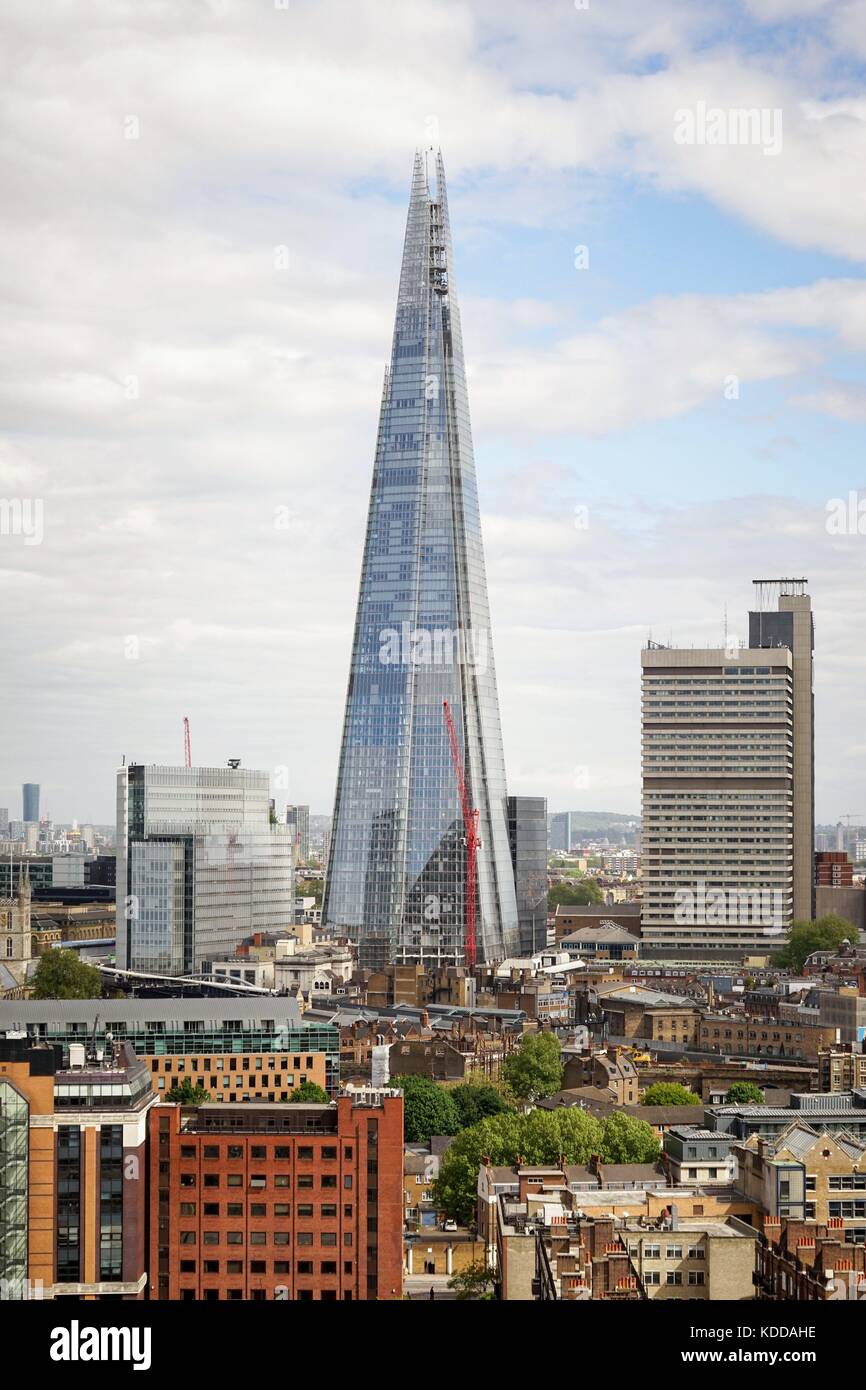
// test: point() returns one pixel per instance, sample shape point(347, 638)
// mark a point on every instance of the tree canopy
point(825, 934)
point(577, 894)
point(744, 1093)
point(61, 975)
point(474, 1100)
point(535, 1069)
point(541, 1137)
point(669, 1093)
point(185, 1093)
point(428, 1109)
point(475, 1281)
point(627, 1140)
point(310, 1093)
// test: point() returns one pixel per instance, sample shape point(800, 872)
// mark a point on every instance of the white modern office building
point(201, 865)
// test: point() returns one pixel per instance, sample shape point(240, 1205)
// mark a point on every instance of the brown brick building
point(241, 1076)
point(73, 1170)
point(808, 1261)
point(297, 1202)
point(736, 1036)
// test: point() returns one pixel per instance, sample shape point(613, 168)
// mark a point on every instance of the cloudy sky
point(205, 204)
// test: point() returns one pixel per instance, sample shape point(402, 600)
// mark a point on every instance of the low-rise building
point(581, 1259)
point(607, 941)
point(843, 1111)
point(421, 1163)
point(635, 1013)
point(570, 919)
point(238, 1049)
point(738, 1036)
point(701, 1259)
point(807, 1174)
point(700, 1155)
point(612, 1071)
point(644, 1193)
point(808, 1261)
point(842, 1069)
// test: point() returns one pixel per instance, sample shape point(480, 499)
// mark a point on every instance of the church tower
point(15, 930)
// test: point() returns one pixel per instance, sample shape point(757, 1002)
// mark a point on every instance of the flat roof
point(16, 1013)
point(651, 997)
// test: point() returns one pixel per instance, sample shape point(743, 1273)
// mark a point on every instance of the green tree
point(475, 1281)
point(308, 1092)
point(474, 1100)
point(541, 1137)
point(669, 1093)
point(61, 975)
point(825, 934)
point(744, 1093)
point(310, 888)
point(574, 894)
point(627, 1140)
point(185, 1093)
point(427, 1109)
point(535, 1069)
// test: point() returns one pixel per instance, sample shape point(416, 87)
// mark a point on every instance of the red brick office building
point(293, 1202)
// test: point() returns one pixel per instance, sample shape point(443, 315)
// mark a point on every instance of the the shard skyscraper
point(397, 873)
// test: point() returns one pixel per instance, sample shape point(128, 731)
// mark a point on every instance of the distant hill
point(595, 820)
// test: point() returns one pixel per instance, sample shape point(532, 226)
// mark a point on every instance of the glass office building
point(397, 870)
point(527, 834)
point(30, 802)
point(200, 865)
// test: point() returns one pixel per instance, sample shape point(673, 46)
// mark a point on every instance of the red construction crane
point(187, 755)
point(470, 825)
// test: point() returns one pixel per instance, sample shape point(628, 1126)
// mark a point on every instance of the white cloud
point(169, 388)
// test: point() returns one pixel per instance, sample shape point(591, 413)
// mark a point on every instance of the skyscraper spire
point(397, 873)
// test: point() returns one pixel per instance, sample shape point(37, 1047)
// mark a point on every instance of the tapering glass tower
point(397, 872)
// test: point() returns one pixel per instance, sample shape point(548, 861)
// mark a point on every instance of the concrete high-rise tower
point(728, 784)
point(791, 626)
point(397, 872)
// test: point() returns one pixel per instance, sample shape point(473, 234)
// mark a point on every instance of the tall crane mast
point(470, 825)
point(187, 755)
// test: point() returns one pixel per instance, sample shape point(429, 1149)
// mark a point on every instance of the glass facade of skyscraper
point(200, 865)
point(30, 802)
point(397, 872)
